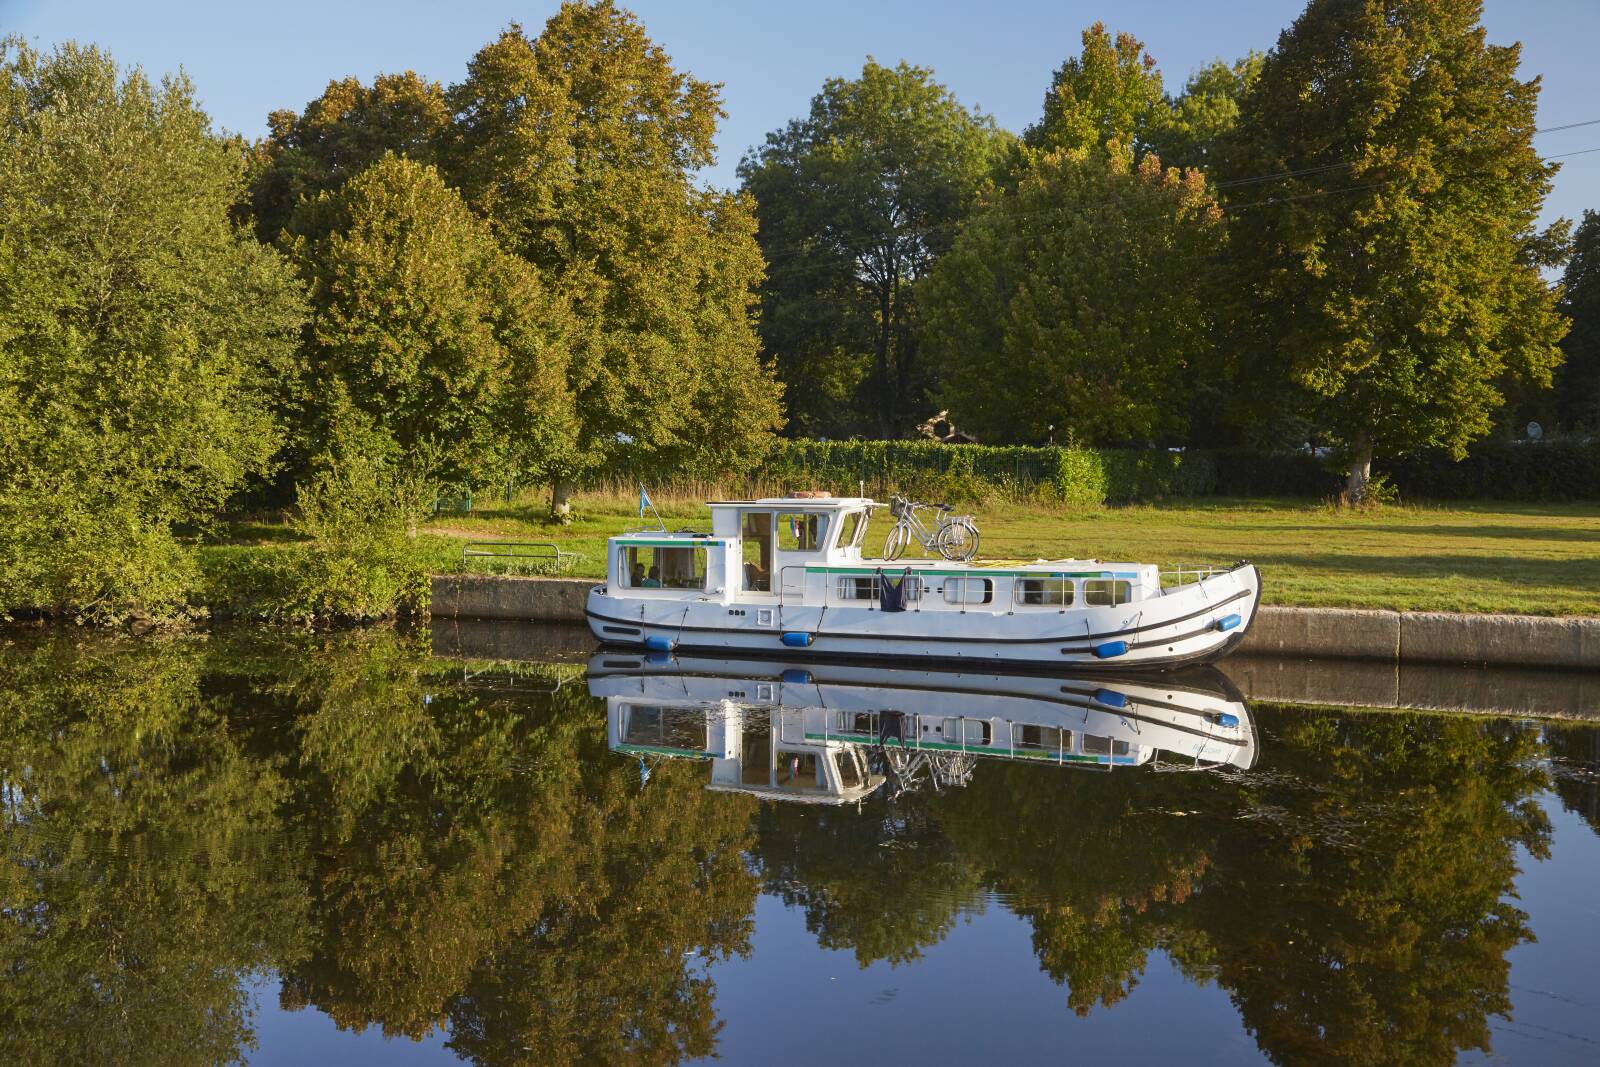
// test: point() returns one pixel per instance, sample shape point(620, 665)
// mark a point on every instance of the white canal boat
point(833, 733)
point(787, 576)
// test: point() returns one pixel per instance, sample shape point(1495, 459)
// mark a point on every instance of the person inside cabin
point(636, 578)
point(758, 542)
point(654, 581)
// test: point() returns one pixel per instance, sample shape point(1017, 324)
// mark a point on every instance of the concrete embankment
point(1323, 633)
point(1338, 682)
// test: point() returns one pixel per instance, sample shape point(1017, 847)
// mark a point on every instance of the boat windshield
point(853, 527)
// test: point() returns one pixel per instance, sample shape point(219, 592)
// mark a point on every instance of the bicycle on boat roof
point(955, 537)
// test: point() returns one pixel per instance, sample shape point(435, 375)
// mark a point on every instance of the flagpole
point(646, 502)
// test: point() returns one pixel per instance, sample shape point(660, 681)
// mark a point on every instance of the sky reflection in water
point(341, 848)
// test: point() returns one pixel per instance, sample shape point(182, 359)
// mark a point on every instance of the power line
point(1569, 126)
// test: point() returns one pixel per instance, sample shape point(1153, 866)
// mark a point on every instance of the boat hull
point(1195, 624)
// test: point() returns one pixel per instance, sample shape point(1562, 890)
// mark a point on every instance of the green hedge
point(1524, 470)
point(1493, 470)
point(1076, 475)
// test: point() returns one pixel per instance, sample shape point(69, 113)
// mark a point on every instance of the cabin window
point(968, 590)
point(663, 567)
point(865, 587)
point(756, 530)
point(1096, 746)
point(799, 532)
point(966, 731)
point(1040, 738)
point(797, 770)
point(1104, 591)
point(665, 727)
point(854, 528)
point(1053, 592)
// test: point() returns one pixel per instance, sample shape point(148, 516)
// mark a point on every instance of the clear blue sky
point(248, 58)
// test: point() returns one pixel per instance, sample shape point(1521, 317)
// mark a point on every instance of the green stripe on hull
point(664, 750)
point(630, 542)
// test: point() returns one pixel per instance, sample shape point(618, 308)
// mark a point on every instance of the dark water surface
point(360, 848)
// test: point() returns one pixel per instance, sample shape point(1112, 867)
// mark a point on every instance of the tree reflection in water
point(407, 853)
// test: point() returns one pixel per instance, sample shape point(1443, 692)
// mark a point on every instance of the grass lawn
point(1474, 557)
point(1541, 560)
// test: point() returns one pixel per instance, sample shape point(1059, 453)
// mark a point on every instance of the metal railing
point(543, 557)
point(1189, 574)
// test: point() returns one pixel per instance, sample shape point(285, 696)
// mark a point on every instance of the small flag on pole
point(644, 500)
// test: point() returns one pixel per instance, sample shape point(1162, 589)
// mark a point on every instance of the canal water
point(378, 848)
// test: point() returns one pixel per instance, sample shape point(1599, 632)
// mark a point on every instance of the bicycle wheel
point(894, 546)
point(969, 544)
point(958, 541)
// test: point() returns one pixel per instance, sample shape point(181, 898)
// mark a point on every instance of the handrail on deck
point(1189, 574)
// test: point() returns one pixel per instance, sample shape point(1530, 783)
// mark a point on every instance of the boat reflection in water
point(836, 733)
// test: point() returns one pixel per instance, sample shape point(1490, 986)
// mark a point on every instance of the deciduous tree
point(138, 331)
point(449, 347)
point(341, 133)
point(1578, 380)
point(1110, 92)
point(1390, 279)
point(1073, 302)
point(1206, 110)
point(582, 146)
point(856, 201)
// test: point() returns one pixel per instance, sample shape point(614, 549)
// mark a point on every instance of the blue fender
point(1110, 649)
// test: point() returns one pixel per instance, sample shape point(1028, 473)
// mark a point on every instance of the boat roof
point(796, 502)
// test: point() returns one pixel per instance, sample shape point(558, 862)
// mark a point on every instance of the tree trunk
point(885, 405)
point(561, 491)
point(1355, 486)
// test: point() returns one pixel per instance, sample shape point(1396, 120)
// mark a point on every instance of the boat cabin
point(809, 550)
point(756, 549)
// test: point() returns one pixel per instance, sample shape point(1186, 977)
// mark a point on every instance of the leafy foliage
point(358, 557)
point(1390, 283)
point(1073, 305)
point(1111, 92)
point(581, 146)
point(428, 332)
point(345, 130)
point(1577, 384)
point(138, 332)
point(856, 201)
point(1206, 111)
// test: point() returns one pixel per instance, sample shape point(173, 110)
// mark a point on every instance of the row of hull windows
point(1041, 592)
point(685, 568)
point(1024, 736)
